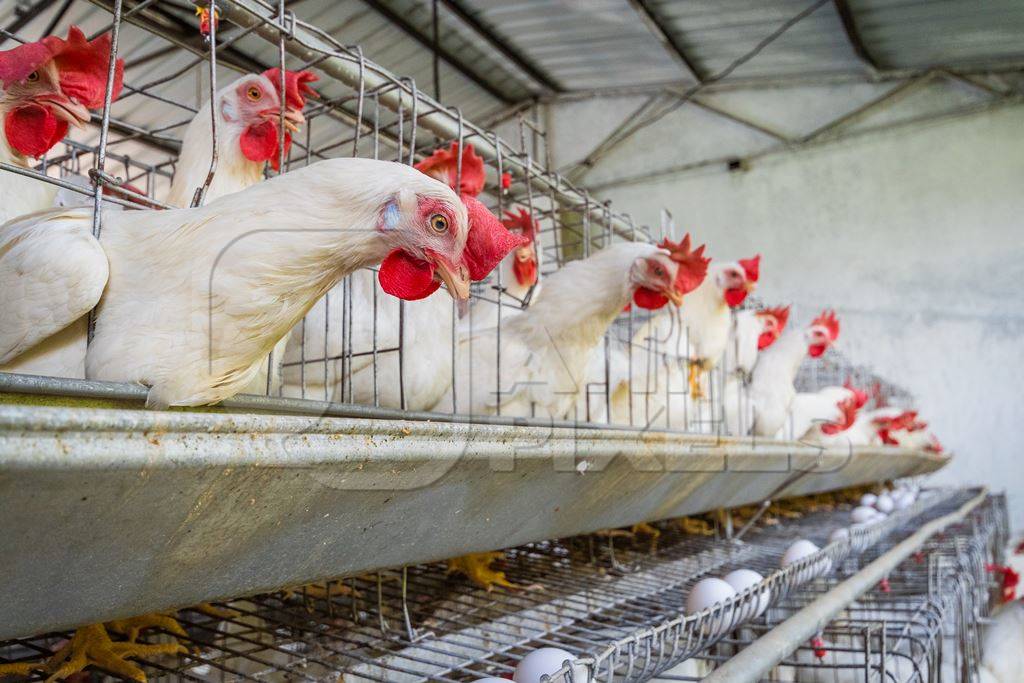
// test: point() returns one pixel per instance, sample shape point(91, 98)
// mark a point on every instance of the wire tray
point(580, 594)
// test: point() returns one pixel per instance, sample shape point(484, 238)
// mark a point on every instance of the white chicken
point(245, 107)
point(545, 351)
point(416, 380)
point(810, 411)
point(248, 137)
point(248, 134)
point(771, 386)
point(197, 297)
point(47, 86)
point(1003, 646)
point(752, 332)
point(706, 318)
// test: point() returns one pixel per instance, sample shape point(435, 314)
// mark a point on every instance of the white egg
point(798, 551)
point(707, 593)
point(742, 579)
point(840, 534)
point(862, 514)
point(544, 662)
point(868, 499)
point(884, 503)
point(906, 500)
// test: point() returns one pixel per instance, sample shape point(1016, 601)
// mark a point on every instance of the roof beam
point(24, 17)
point(409, 29)
point(1011, 100)
point(526, 65)
point(667, 40)
point(853, 35)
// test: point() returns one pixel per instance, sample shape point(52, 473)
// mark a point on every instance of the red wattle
point(816, 350)
point(649, 299)
point(407, 277)
point(33, 129)
point(525, 272)
point(734, 297)
point(765, 340)
point(260, 143)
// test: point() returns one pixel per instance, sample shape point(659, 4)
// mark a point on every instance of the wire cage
point(922, 623)
point(356, 345)
point(614, 600)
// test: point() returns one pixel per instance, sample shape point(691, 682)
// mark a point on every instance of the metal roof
point(497, 55)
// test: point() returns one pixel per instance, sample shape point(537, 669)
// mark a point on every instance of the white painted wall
point(915, 236)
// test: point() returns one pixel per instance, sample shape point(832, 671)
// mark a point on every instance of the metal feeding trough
point(111, 512)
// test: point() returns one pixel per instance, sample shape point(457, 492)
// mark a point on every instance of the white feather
point(52, 273)
point(545, 350)
point(771, 386)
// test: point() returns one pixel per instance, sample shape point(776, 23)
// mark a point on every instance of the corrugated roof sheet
point(922, 33)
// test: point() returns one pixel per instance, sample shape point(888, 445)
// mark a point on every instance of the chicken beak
point(293, 118)
point(65, 108)
point(456, 282)
point(749, 286)
point(674, 296)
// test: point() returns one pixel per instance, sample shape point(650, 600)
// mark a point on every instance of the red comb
point(82, 65)
point(295, 86)
point(751, 267)
point(861, 397)
point(1009, 577)
point(488, 240)
point(443, 165)
point(521, 222)
point(693, 266)
point(848, 408)
point(934, 446)
point(829, 321)
point(780, 313)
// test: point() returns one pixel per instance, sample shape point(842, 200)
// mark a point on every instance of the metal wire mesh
point(923, 623)
point(614, 600)
point(357, 345)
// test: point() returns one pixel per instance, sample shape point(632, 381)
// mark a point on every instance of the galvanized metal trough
point(108, 511)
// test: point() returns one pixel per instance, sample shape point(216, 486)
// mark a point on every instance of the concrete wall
point(915, 236)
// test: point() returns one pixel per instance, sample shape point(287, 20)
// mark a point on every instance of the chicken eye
point(658, 272)
point(254, 93)
point(438, 223)
point(33, 77)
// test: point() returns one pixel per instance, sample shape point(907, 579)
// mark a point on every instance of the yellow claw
point(321, 591)
point(211, 610)
point(92, 646)
point(477, 568)
point(695, 527)
point(696, 392)
point(22, 669)
point(645, 529)
point(131, 628)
